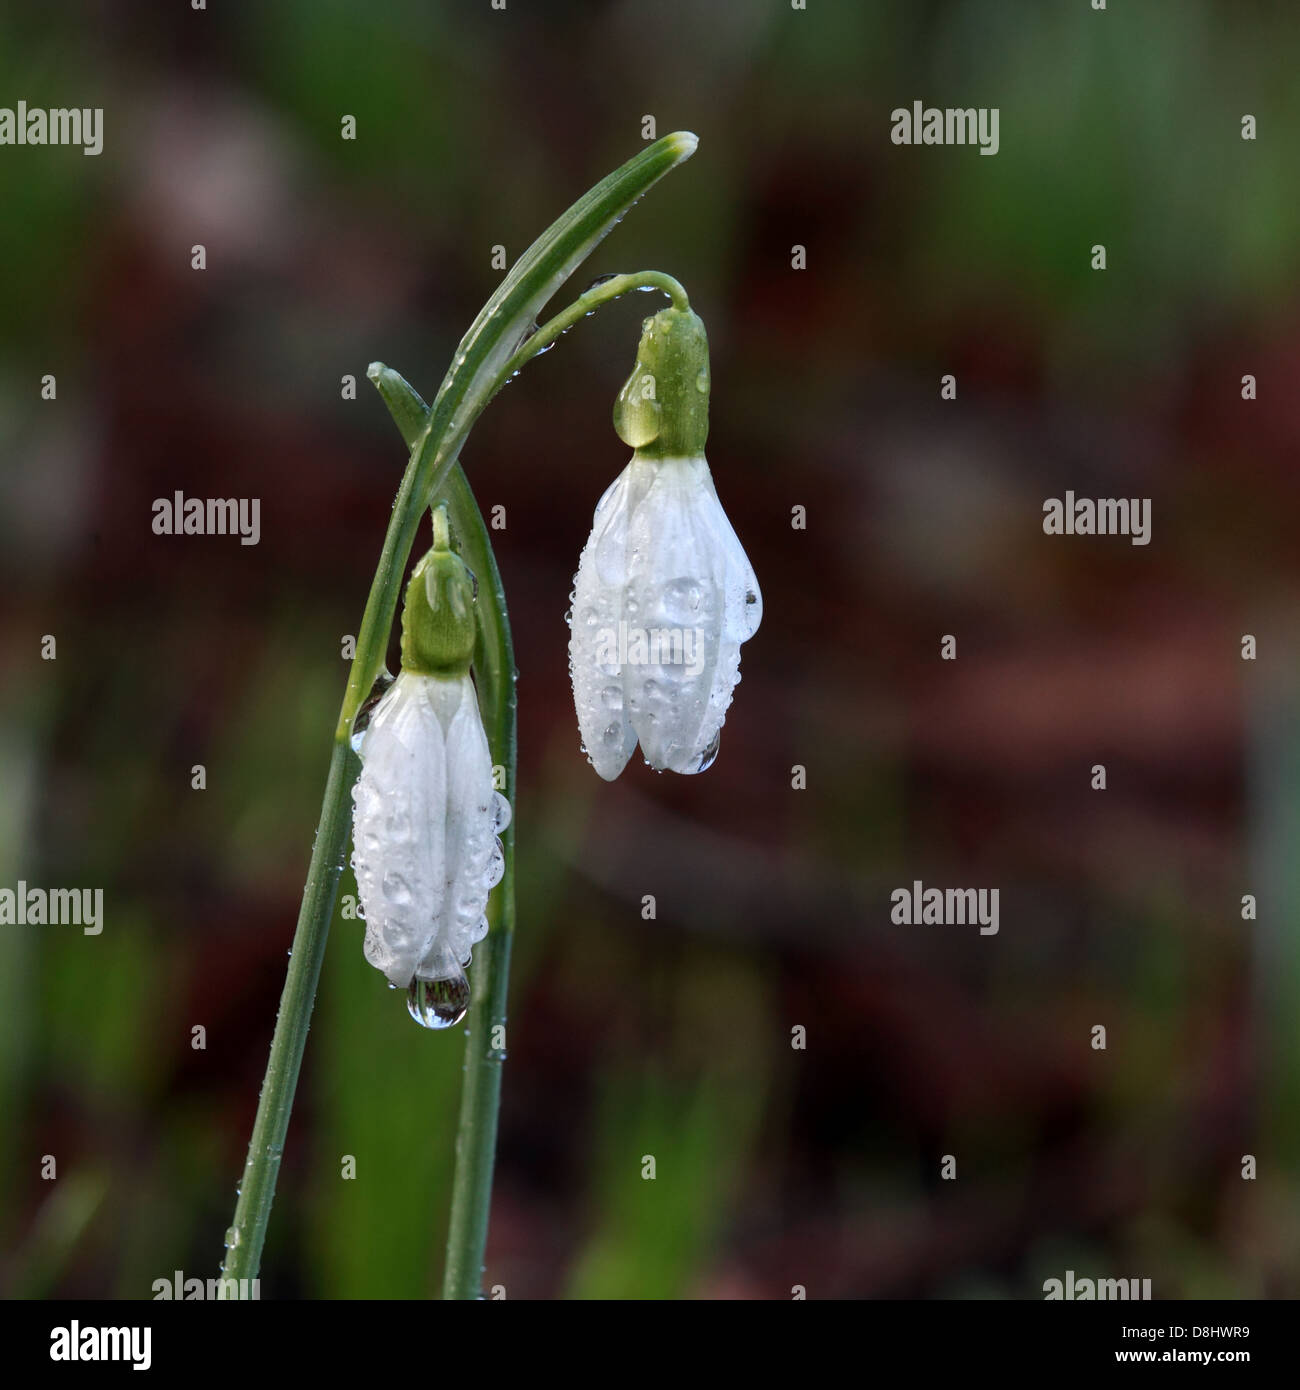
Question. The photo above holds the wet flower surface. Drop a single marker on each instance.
(425, 812)
(663, 598)
(425, 824)
(664, 594)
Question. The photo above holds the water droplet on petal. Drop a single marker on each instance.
(683, 600)
(438, 1003)
(710, 754)
(501, 813)
(496, 868)
(396, 890)
(363, 716)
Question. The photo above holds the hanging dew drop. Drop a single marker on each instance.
(438, 1004)
(710, 754)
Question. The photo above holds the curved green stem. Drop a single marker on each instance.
(481, 368)
(478, 371)
(609, 287)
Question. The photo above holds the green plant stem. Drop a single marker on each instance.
(601, 293)
(262, 1167)
(478, 371)
(485, 1029)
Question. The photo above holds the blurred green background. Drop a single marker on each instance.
(776, 1167)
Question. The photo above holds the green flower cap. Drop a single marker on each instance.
(438, 614)
(663, 409)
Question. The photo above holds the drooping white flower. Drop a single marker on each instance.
(664, 594)
(425, 813)
(426, 818)
(662, 600)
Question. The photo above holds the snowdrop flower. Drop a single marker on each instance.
(664, 595)
(425, 814)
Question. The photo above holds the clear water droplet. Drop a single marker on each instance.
(710, 754)
(232, 1237)
(683, 600)
(496, 869)
(702, 381)
(501, 813)
(438, 1003)
(396, 890)
(364, 714)
(601, 280)
(638, 418)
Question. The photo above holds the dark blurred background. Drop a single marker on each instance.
(775, 1166)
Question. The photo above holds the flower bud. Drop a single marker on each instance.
(438, 615)
(663, 408)
(664, 594)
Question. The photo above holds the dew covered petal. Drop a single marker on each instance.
(472, 845)
(688, 594)
(594, 619)
(399, 827)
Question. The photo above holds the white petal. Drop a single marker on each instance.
(424, 825)
(593, 624)
(742, 612)
(399, 826)
(688, 597)
(472, 814)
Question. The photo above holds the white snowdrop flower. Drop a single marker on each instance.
(425, 813)
(664, 594)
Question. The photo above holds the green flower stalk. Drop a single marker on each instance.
(501, 339)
